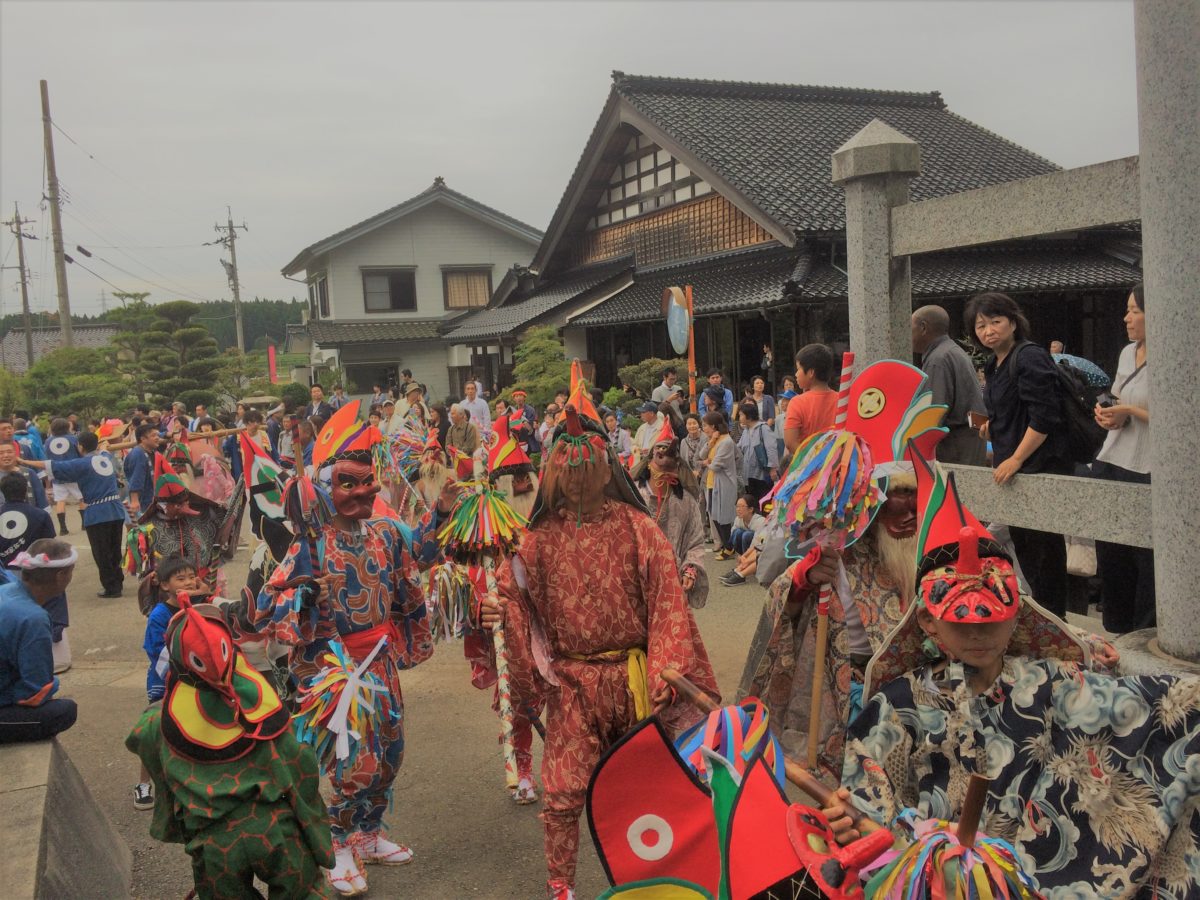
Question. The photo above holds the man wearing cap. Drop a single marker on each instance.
(28, 709)
(523, 421)
(104, 518)
(648, 431)
(414, 396)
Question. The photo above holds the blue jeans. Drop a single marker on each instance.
(741, 538)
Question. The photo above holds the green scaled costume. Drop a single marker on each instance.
(239, 792)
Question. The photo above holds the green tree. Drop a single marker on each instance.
(541, 365)
(180, 358)
(646, 375)
(75, 379)
(135, 321)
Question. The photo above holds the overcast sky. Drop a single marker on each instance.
(308, 117)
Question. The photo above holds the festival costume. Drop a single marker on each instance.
(596, 600)
(673, 499)
(104, 518)
(373, 594)
(199, 530)
(231, 782)
(1094, 779)
(889, 404)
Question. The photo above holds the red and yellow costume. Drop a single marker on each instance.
(594, 612)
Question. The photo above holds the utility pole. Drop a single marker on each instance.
(229, 239)
(15, 224)
(103, 302)
(60, 263)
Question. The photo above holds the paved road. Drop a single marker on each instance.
(450, 804)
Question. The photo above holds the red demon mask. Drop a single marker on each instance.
(353, 488)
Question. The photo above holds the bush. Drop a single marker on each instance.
(541, 365)
(645, 376)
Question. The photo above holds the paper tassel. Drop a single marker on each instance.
(937, 865)
(339, 708)
(829, 484)
(307, 506)
(449, 601)
(481, 524)
(736, 733)
(139, 546)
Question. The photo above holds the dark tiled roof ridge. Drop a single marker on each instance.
(753, 253)
(1003, 139)
(774, 90)
(438, 187)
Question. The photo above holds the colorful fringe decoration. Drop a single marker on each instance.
(339, 708)
(736, 733)
(829, 484)
(139, 549)
(937, 865)
(481, 524)
(307, 506)
(401, 452)
(450, 601)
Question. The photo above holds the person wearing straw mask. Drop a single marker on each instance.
(1093, 778)
(594, 610)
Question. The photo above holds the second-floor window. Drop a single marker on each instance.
(389, 290)
(467, 287)
(318, 297)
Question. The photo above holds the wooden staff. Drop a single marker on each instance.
(187, 436)
(826, 592)
(795, 773)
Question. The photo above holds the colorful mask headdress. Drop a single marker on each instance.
(963, 575)
(579, 397)
(506, 456)
(345, 437)
(581, 441)
(217, 707)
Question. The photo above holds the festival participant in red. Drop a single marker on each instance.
(358, 586)
(594, 610)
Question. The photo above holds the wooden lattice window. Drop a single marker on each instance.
(467, 287)
(647, 178)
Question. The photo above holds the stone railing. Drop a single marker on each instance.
(883, 229)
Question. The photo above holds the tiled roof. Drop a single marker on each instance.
(489, 323)
(746, 279)
(1008, 269)
(336, 333)
(773, 142)
(438, 190)
(12, 347)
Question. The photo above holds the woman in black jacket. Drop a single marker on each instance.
(1025, 426)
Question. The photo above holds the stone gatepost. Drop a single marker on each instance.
(874, 167)
(1167, 34)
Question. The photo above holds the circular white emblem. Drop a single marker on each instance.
(659, 832)
(12, 524)
(102, 465)
(59, 446)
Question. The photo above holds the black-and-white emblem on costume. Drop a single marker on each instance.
(59, 446)
(102, 465)
(13, 524)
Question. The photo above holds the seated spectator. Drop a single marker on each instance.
(28, 709)
(748, 524)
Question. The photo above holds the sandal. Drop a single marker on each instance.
(347, 877)
(374, 849)
(524, 793)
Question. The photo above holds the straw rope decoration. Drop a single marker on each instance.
(481, 527)
(449, 601)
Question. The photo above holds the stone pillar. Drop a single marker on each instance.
(1168, 60)
(874, 167)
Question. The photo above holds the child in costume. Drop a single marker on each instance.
(354, 581)
(232, 783)
(594, 611)
(173, 576)
(1095, 780)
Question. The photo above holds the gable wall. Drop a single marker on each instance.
(428, 239)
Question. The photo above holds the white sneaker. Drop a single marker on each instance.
(61, 651)
(346, 877)
(373, 848)
(524, 793)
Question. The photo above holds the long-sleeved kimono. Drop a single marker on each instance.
(1095, 780)
(581, 593)
(374, 589)
(677, 513)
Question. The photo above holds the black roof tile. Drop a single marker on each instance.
(330, 333)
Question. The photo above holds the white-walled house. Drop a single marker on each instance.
(382, 293)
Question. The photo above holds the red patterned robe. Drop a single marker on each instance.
(605, 583)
